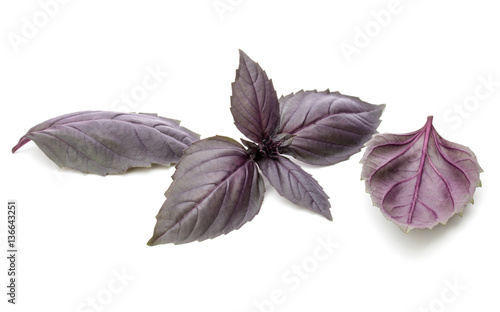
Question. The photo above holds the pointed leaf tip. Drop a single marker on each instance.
(254, 103)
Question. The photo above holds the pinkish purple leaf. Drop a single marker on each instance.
(328, 127)
(103, 142)
(216, 189)
(295, 184)
(419, 179)
(254, 103)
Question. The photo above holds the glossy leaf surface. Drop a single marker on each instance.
(216, 189)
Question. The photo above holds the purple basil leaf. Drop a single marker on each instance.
(328, 127)
(295, 184)
(103, 142)
(419, 179)
(216, 189)
(254, 103)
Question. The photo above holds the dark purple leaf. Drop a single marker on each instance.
(327, 127)
(295, 184)
(254, 103)
(419, 179)
(109, 142)
(216, 189)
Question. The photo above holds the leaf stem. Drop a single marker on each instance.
(21, 142)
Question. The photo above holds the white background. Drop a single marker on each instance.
(78, 231)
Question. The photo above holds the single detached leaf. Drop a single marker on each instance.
(104, 142)
(254, 103)
(419, 179)
(295, 184)
(328, 127)
(216, 188)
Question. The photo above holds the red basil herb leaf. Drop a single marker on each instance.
(295, 184)
(216, 189)
(328, 127)
(254, 103)
(104, 142)
(419, 179)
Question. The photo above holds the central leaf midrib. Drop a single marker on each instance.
(427, 131)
